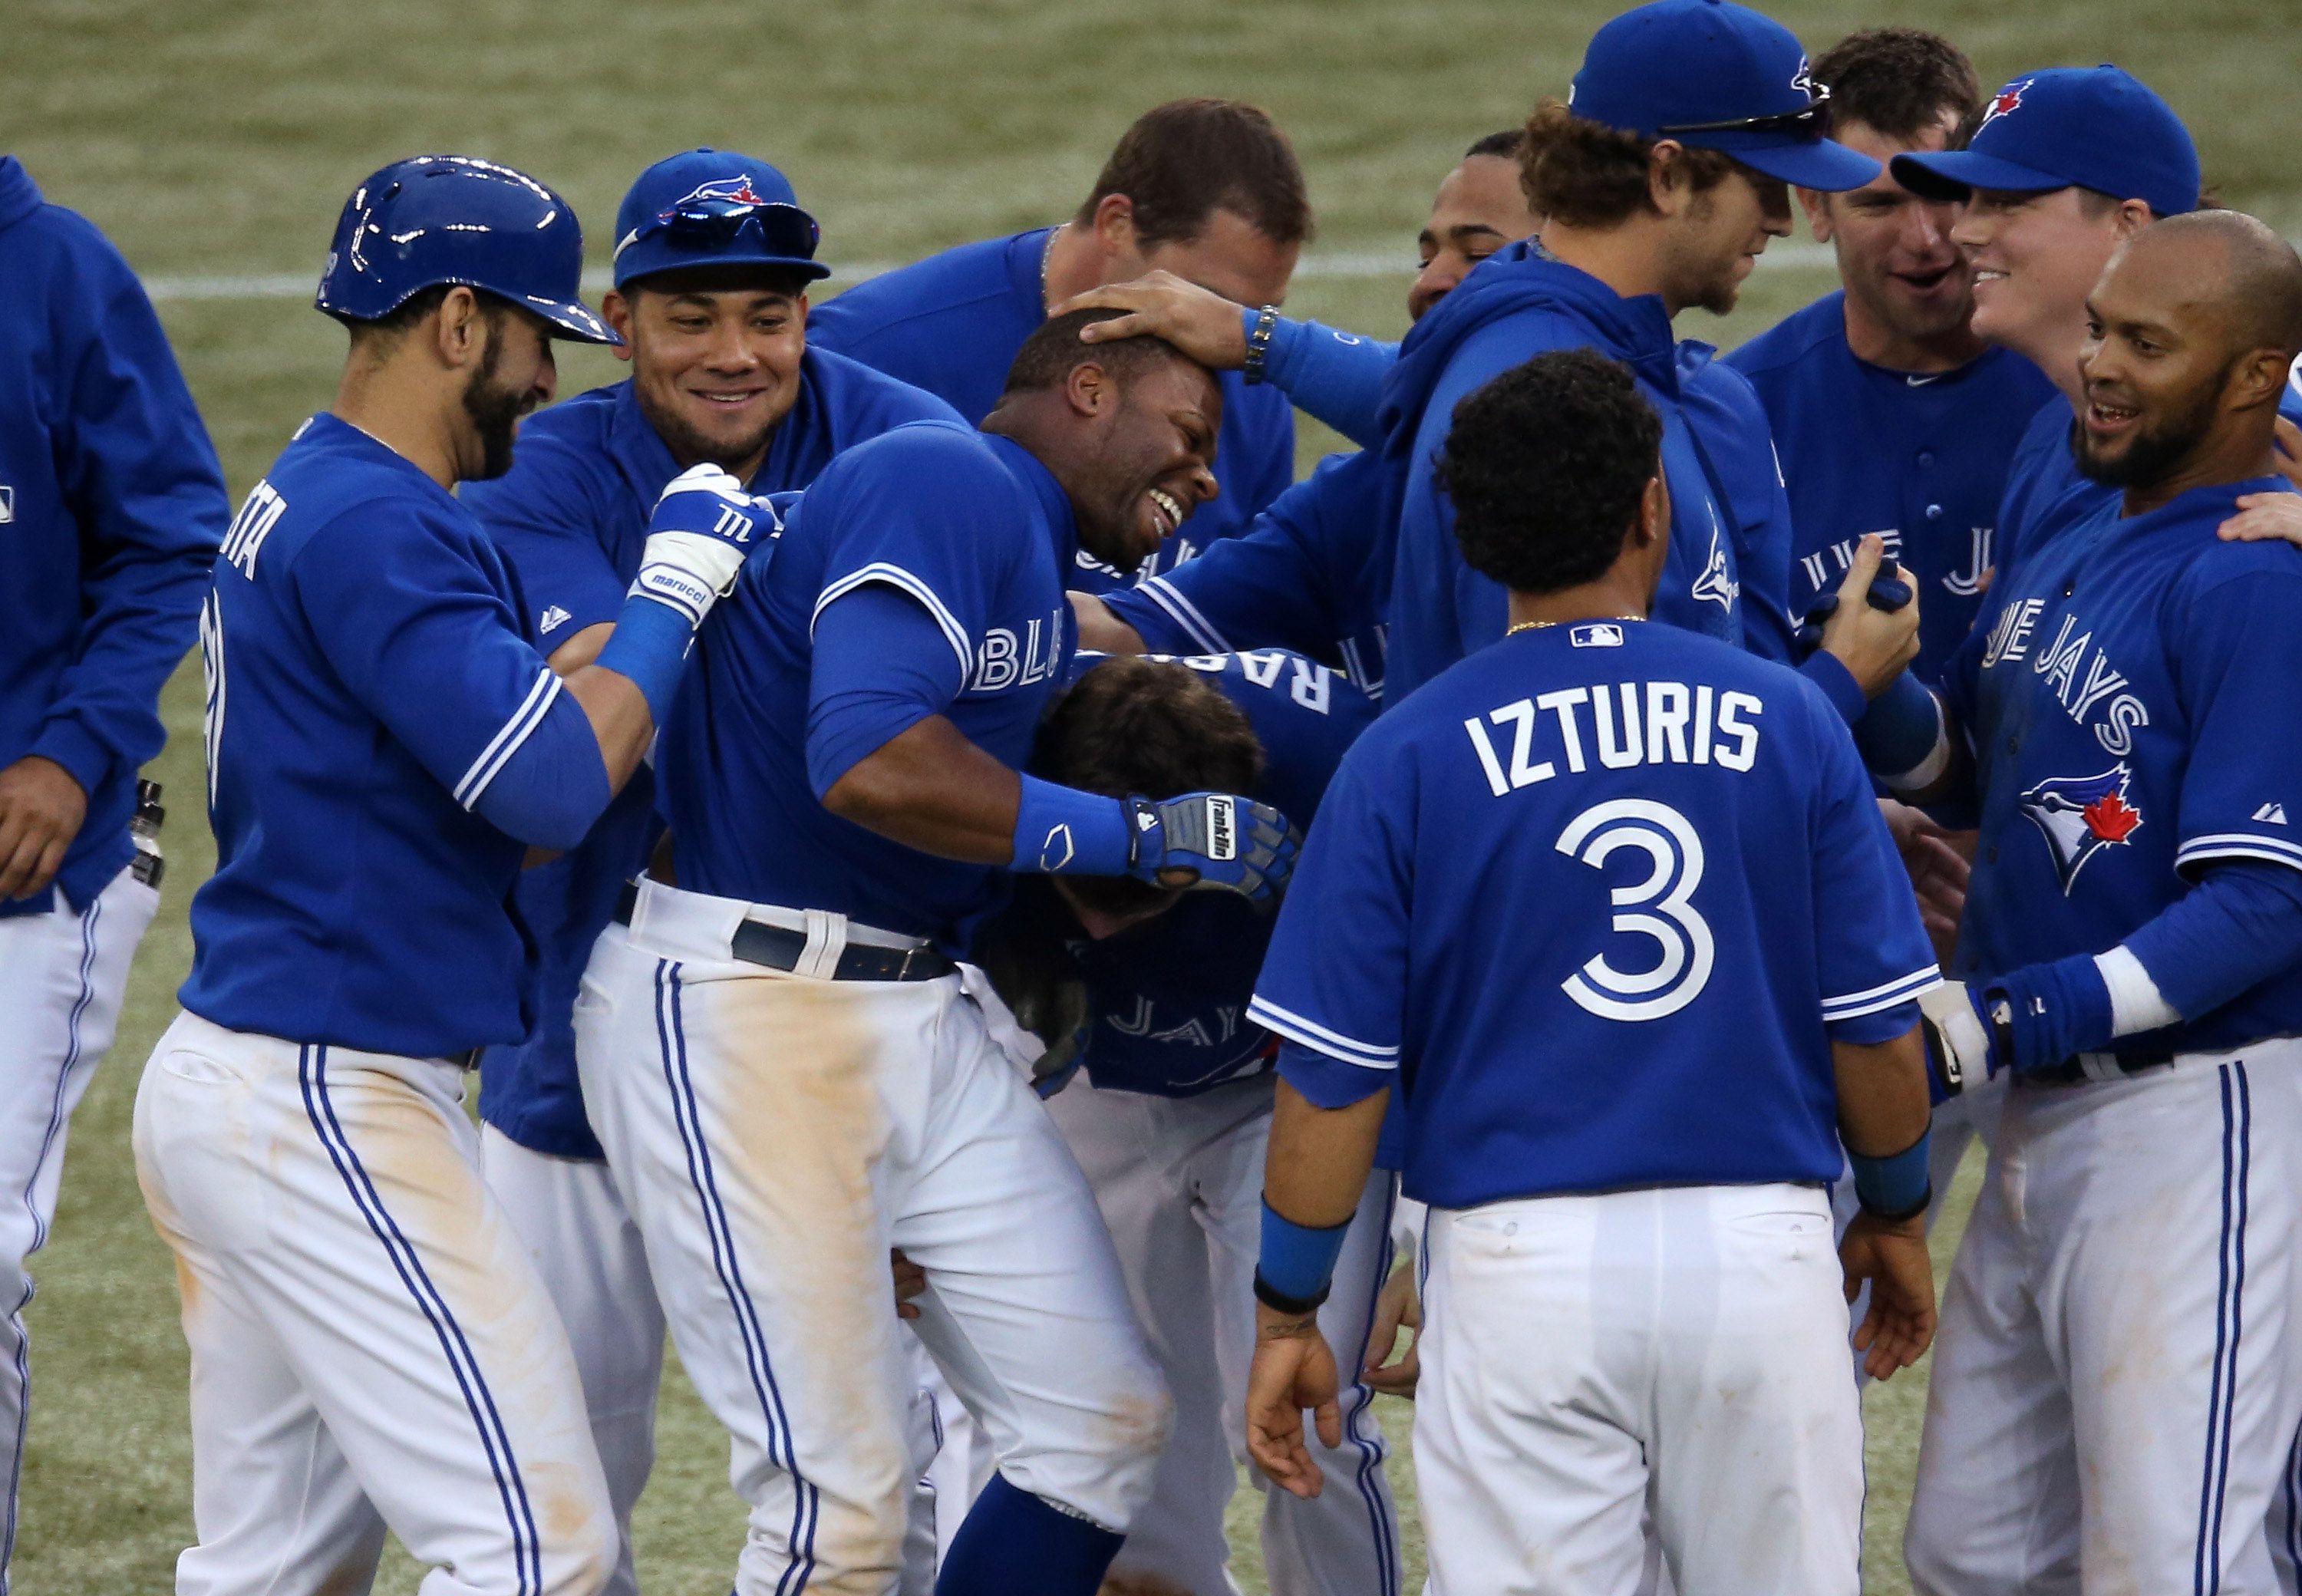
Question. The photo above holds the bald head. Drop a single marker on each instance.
(2190, 333)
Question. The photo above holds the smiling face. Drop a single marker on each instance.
(1719, 236)
(1150, 463)
(1895, 255)
(715, 360)
(515, 374)
(1480, 208)
(2156, 363)
(2034, 257)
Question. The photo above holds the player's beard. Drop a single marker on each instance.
(2155, 450)
(494, 414)
(693, 446)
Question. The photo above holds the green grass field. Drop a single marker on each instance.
(217, 137)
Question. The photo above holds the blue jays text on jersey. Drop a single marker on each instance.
(571, 515)
(1612, 888)
(1516, 304)
(111, 507)
(976, 534)
(1167, 997)
(1921, 458)
(368, 680)
(2126, 700)
(951, 323)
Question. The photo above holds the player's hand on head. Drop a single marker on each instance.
(1293, 1370)
(703, 528)
(1391, 1368)
(1198, 321)
(2262, 516)
(41, 811)
(1890, 1255)
(1213, 842)
(1871, 624)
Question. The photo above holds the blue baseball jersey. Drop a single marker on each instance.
(973, 529)
(1607, 891)
(1516, 304)
(2129, 700)
(571, 515)
(1312, 575)
(1921, 458)
(369, 676)
(111, 508)
(1168, 997)
(953, 323)
(1737, 446)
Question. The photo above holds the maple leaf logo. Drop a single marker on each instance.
(2111, 817)
(2009, 98)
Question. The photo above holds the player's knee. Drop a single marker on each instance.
(1117, 1458)
(583, 1554)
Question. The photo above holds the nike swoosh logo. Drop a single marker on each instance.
(1917, 381)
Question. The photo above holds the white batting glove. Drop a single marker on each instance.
(703, 528)
(1958, 1050)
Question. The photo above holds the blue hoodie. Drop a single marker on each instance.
(112, 506)
(1516, 304)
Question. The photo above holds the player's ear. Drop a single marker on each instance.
(2256, 378)
(616, 311)
(2131, 217)
(1666, 182)
(459, 330)
(1816, 204)
(1654, 508)
(1088, 389)
(1114, 225)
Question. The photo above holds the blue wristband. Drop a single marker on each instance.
(1894, 1187)
(1296, 1261)
(1829, 673)
(1061, 831)
(1901, 727)
(650, 649)
(2054, 1010)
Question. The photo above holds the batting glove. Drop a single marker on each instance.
(1962, 1041)
(1890, 590)
(703, 528)
(1233, 844)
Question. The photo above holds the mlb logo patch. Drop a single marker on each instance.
(7, 504)
(1596, 635)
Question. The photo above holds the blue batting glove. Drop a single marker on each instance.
(1228, 844)
(1890, 590)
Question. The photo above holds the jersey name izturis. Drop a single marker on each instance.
(953, 323)
(1598, 898)
(2130, 699)
(1921, 458)
(368, 675)
(968, 526)
(571, 515)
(1168, 997)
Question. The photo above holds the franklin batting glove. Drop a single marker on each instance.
(1229, 843)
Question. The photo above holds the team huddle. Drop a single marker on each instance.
(1055, 960)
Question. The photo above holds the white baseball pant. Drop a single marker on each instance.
(774, 1134)
(1675, 1358)
(1180, 1181)
(586, 1250)
(2119, 1374)
(62, 975)
(370, 1343)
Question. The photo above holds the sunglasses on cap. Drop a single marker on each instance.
(1810, 121)
(712, 225)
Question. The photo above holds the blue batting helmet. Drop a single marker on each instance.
(435, 218)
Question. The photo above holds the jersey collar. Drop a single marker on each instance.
(20, 196)
(1055, 504)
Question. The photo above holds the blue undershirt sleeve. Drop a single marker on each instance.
(2240, 926)
(554, 785)
(1336, 376)
(882, 665)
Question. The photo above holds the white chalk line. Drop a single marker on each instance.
(1336, 266)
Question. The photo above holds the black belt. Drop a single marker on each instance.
(2073, 1068)
(778, 948)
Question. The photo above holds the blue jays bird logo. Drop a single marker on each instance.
(2009, 98)
(726, 191)
(2080, 816)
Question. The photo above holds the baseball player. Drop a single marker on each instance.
(713, 260)
(1168, 1102)
(789, 1071)
(1629, 932)
(1208, 189)
(371, 1345)
(111, 507)
(2119, 1377)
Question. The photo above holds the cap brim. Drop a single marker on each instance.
(1809, 162)
(574, 318)
(640, 261)
(1953, 175)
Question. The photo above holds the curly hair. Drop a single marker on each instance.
(1587, 174)
(1547, 465)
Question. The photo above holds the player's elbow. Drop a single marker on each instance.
(872, 791)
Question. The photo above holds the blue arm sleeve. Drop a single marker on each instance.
(1337, 377)
(554, 785)
(882, 665)
(141, 476)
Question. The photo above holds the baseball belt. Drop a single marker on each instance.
(775, 947)
(2097, 1066)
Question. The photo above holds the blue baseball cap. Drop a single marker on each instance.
(1714, 75)
(712, 207)
(2067, 127)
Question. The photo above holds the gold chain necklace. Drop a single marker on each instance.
(1537, 626)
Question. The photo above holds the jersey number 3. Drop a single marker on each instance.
(1660, 907)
